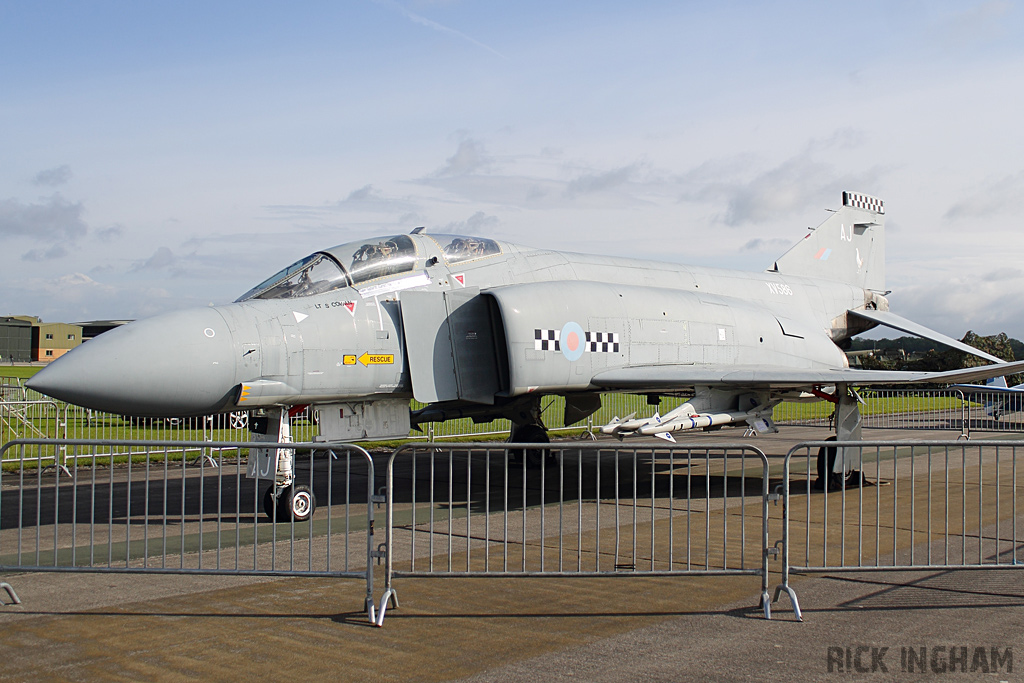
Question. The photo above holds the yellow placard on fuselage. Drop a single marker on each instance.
(377, 359)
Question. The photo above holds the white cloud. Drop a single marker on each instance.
(162, 259)
(468, 158)
(477, 224)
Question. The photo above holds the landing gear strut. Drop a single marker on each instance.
(529, 434)
(285, 500)
(839, 466)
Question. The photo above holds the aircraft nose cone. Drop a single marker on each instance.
(176, 364)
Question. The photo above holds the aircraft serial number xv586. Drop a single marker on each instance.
(481, 328)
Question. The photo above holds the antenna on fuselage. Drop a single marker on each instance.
(416, 231)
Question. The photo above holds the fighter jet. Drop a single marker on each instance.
(476, 327)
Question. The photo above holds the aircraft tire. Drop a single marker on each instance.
(296, 503)
(529, 434)
(827, 479)
(269, 503)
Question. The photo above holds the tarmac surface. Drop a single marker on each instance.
(856, 626)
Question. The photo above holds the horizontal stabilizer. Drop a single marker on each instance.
(910, 327)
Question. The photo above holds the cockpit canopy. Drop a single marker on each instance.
(356, 263)
(324, 271)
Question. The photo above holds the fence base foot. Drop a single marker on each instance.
(57, 469)
(205, 458)
(390, 597)
(792, 598)
(766, 605)
(10, 592)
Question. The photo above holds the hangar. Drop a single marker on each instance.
(15, 340)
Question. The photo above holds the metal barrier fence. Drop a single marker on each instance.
(36, 419)
(931, 409)
(916, 505)
(137, 507)
(579, 509)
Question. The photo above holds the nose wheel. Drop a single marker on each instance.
(293, 503)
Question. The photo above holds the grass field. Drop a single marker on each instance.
(49, 419)
(19, 371)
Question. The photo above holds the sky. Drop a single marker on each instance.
(156, 156)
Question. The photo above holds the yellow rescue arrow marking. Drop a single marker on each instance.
(377, 358)
(349, 359)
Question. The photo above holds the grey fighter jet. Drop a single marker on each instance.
(476, 327)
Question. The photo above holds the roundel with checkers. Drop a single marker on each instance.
(573, 341)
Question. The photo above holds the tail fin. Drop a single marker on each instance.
(848, 247)
(999, 382)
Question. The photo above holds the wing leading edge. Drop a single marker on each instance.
(677, 377)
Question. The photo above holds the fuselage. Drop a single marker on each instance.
(339, 326)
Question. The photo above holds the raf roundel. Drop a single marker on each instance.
(571, 341)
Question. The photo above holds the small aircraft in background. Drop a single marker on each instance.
(480, 328)
(999, 399)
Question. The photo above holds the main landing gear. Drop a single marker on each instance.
(532, 433)
(839, 467)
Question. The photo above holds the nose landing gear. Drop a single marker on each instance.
(292, 503)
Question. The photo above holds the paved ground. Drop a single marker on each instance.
(127, 627)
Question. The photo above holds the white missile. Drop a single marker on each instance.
(694, 421)
(616, 425)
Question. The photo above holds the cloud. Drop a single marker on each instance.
(784, 188)
(774, 245)
(477, 224)
(162, 258)
(367, 192)
(468, 158)
(110, 234)
(1002, 274)
(599, 182)
(963, 301)
(996, 197)
(367, 199)
(793, 185)
(54, 252)
(54, 219)
(53, 177)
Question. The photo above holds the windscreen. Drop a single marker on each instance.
(315, 274)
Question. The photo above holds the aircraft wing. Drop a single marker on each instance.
(986, 389)
(910, 327)
(674, 377)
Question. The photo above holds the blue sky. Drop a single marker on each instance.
(157, 156)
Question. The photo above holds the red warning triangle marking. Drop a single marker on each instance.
(461, 279)
(351, 306)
